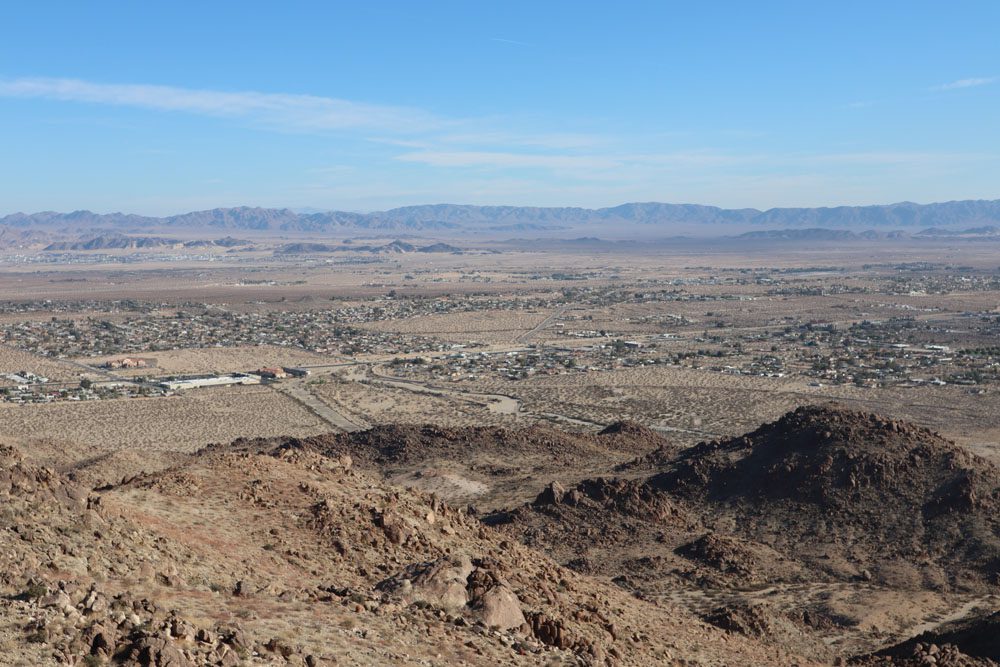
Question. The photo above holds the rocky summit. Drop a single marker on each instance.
(855, 494)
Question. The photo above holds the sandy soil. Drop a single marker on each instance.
(378, 403)
(14, 361)
(176, 423)
(490, 326)
(217, 359)
(701, 404)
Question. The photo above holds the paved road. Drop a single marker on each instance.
(495, 402)
(300, 393)
(557, 313)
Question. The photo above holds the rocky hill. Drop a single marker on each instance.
(393, 247)
(969, 642)
(834, 515)
(399, 442)
(23, 239)
(488, 467)
(258, 554)
(111, 242)
(115, 241)
(855, 495)
(826, 534)
(823, 494)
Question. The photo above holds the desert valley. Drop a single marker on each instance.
(479, 334)
(287, 449)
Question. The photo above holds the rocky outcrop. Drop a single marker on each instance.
(126, 631)
(971, 642)
(441, 583)
(457, 586)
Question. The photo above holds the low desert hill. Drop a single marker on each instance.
(822, 493)
(488, 467)
(392, 248)
(246, 554)
(969, 642)
(827, 535)
(853, 495)
(114, 241)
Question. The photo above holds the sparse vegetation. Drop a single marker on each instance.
(698, 353)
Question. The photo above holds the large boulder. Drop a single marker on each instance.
(499, 608)
(553, 494)
(440, 583)
(156, 651)
(492, 599)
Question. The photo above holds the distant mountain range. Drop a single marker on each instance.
(502, 219)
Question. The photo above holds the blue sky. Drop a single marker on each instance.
(160, 108)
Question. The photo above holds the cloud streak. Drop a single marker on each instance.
(967, 83)
(503, 40)
(626, 164)
(498, 159)
(576, 162)
(415, 143)
(390, 125)
(280, 110)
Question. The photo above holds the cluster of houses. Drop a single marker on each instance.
(48, 306)
(52, 392)
(23, 378)
(322, 331)
(128, 363)
(527, 362)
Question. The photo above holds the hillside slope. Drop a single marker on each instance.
(282, 555)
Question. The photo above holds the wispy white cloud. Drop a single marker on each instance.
(614, 166)
(389, 125)
(570, 160)
(280, 110)
(414, 143)
(967, 83)
(509, 41)
(598, 162)
(887, 158)
(553, 140)
(696, 158)
(507, 160)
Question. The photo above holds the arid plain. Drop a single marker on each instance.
(118, 369)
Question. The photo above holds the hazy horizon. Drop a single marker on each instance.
(368, 108)
(309, 210)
